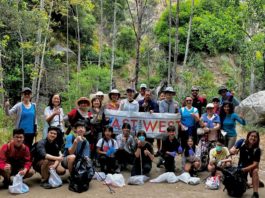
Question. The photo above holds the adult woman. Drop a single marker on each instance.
(25, 112)
(189, 117)
(97, 121)
(54, 115)
(228, 123)
(249, 158)
(129, 104)
(114, 102)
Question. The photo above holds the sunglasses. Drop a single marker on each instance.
(188, 100)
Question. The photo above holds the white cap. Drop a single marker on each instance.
(210, 105)
(143, 85)
(170, 89)
(99, 93)
(115, 91)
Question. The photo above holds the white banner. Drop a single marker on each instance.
(155, 124)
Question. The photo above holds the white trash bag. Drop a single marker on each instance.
(116, 180)
(168, 177)
(18, 187)
(54, 179)
(194, 180)
(100, 176)
(213, 183)
(184, 177)
(137, 179)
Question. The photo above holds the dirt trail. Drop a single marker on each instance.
(148, 190)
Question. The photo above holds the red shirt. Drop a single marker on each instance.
(9, 154)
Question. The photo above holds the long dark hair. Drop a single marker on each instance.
(187, 148)
(50, 100)
(256, 145)
(222, 111)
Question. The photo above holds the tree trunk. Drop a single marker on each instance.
(263, 85)
(113, 45)
(43, 54)
(137, 63)
(189, 32)
(252, 77)
(169, 44)
(22, 59)
(176, 50)
(2, 96)
(37, 56)
(67, 45)
(100, 33)
(78, 40)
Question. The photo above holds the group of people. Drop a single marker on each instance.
(202, 125)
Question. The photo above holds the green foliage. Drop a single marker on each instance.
(84, 83)
(5, 127)
(126, 39)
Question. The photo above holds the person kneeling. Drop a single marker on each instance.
(15, 158)
(191, 159)
(47, 157)
(73, 146)
(126, 147)
(106, 148)
(218, 157)
(144, 156)
(170, 148)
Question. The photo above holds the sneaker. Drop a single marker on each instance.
(45, 185)
(255, 195)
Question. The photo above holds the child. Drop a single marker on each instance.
(191, 158)
(170, 148)
(144, 156)
(126, 147)
(106, 148)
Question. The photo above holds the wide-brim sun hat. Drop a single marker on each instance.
(170, 90)
(99, 93)
(222, 88)
(83, 99)
(114, 91)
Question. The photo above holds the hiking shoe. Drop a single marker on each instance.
(255, 195)
(45, 185)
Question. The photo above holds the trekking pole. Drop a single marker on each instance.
(104, 180)
(141, 163)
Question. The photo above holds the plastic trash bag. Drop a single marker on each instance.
(184, 177)
(116, 180)
(100, 176)
(18, 187)
(213, 183)
(194, 180)
(54, 179)
(168, 177)
(111, 151)
(137, 179)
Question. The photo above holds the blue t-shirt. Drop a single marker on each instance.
(186, 117)
(210, 122)
(229, 124)
(69, 142)
(27, 119)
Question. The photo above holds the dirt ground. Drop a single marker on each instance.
(98, 189)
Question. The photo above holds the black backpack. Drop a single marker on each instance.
(82, 172)
(234, 181)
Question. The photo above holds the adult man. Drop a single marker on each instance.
(147, 104)
(198, 101)
(227, 96)
(140, 96)
(73, 146)
(169, 105)
(47, 156)
(15, 158)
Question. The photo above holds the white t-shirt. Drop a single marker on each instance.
(107, 144)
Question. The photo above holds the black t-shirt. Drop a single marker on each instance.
(146, 159)
(167, 145)
(248, 156)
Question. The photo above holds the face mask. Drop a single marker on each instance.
(141, 138)
(218, 148)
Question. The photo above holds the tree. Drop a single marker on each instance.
(169, 44)
(113, 45)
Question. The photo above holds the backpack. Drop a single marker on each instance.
(234, 181)
(82, 172)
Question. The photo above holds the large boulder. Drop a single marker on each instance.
(253, 108)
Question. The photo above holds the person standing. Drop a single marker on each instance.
(25, 113)
(227, 96)
(129, 104)
(198, 101)
(168, 105)
(114, 97)
(140, 96)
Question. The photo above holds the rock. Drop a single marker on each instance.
(253, 108)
